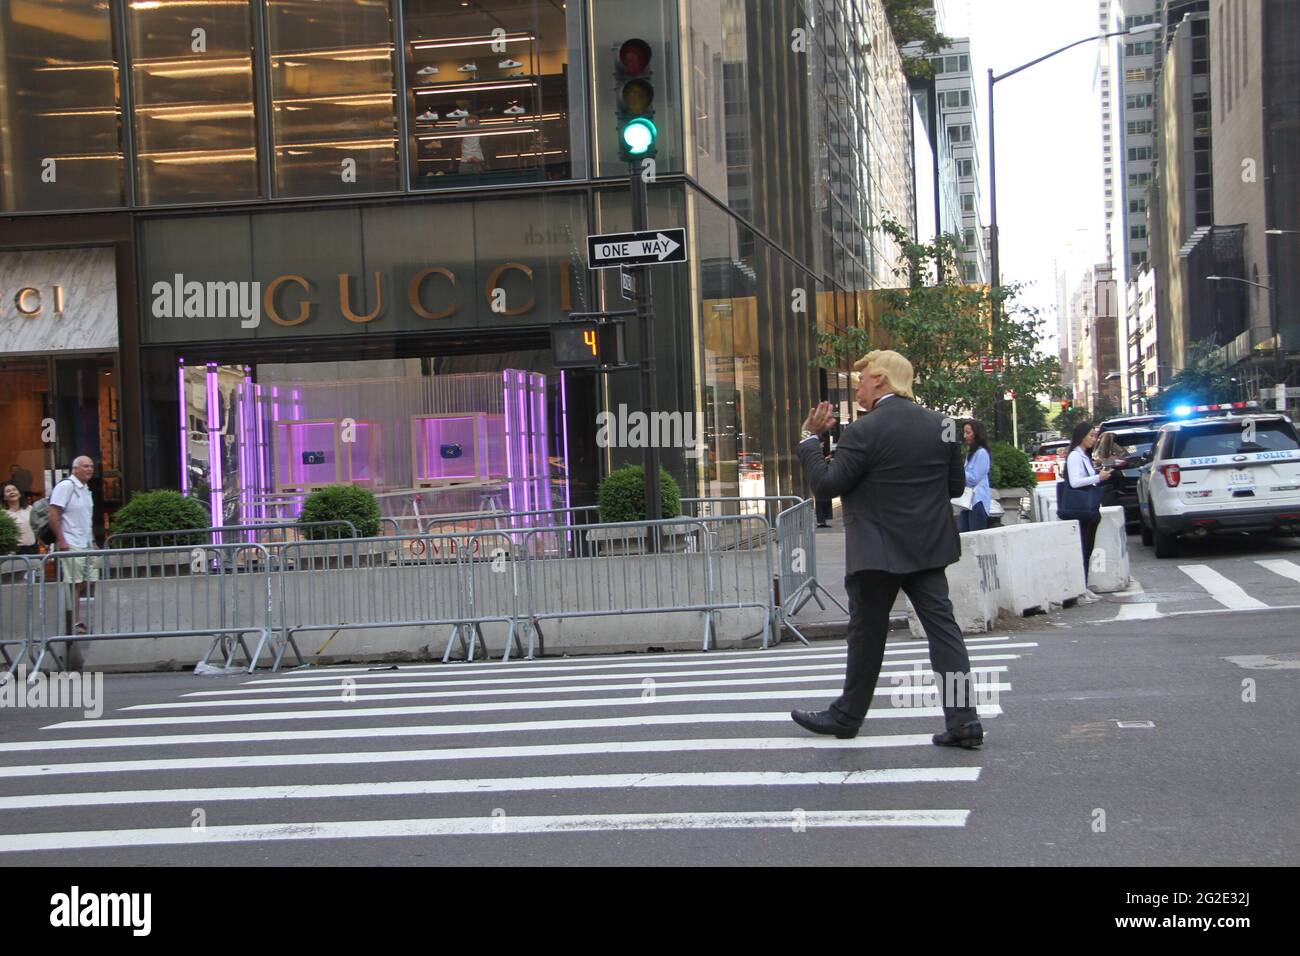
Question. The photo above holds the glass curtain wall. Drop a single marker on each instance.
(333, 107)
(59, 106)
(488, 91)
(192, 84)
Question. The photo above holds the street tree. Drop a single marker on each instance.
(1204, 380)
(966, 353)
(912, 21)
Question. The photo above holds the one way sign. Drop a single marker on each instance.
(651, 248)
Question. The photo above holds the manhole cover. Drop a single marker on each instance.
(1135, 724)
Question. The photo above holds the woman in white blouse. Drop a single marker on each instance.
(1080, 474)
(22, 516)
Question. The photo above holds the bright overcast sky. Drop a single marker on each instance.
(1049, 136)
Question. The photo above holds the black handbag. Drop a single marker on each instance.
(1077, 504)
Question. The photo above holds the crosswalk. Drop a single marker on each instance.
(1194, 588)
(666, 743)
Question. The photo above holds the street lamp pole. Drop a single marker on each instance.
(995, 265)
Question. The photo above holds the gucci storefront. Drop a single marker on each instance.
(59, 370)
(403, 348)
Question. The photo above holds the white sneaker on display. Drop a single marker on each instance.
(457, 114)
(427, 71)
(468, 68)
(508, 64)
(428, 115)
(515, 110)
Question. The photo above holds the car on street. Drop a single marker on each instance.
(1124, 451)
(1049, 459)
(1220, 475)
(1123, 422)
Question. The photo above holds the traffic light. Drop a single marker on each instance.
(636, 95)
(1065, 404)
(588, 344)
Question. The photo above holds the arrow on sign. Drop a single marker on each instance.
(637, 248)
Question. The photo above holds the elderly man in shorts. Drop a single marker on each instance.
(72, 510)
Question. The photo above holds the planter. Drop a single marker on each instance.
(1010, 498)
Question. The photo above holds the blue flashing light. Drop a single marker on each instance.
(1182, 411)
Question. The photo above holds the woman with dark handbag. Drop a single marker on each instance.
(1078, 496)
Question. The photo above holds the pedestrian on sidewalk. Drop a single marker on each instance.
(896, 473)
(1078, 497)
(71, 517)
(975, 512)
(825, 506)
(20, 511)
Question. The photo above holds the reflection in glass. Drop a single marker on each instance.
(59, 110)
(192, 79)
(333, 106)
(487, 92)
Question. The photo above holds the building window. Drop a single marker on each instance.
(1137, 205)
(480, 116)
(965, 168)
(1138, 101)
(58, 102)
(959, 134)
(1139, 49)
(1137, 180)
(1139, 153)
(968, 239)
(955, 99)
(1137, 232)
(1137, 259)
(195, 129)
(967, 202)
(1139, 75)
(333, 107)
(1140, 127)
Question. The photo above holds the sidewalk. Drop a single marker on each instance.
(831, 622)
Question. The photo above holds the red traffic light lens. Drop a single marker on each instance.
(634, 57)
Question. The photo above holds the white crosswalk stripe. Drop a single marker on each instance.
(662, 743)
(1223, 589)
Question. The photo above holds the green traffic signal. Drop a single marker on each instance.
(639, 136)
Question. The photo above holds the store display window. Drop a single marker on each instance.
(488, 92)
(257, 439)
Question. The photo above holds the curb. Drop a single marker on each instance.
(835, 630)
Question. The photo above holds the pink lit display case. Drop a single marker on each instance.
(450, 450)
(312, 454)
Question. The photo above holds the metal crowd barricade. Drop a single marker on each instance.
(796, 557)
(600, 570)
(269, 532)
(21, 594)
(741, 557)
(222, 590)
(579, 515)
(393, 581)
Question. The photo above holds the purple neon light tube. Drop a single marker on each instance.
(214, 451)
(185, 429)
(564, 432)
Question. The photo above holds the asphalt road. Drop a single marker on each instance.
(1154, 727)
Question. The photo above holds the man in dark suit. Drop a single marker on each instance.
(895, 471)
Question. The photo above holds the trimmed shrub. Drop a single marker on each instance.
(1009, 467)
(621, 496)
(8, 534)
(341, 503)
(161, 510)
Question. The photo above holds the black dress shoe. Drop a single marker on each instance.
(969, 736)
(824, 722)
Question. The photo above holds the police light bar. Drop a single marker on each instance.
(1182, 411)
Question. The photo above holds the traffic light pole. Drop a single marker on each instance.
(649, 385)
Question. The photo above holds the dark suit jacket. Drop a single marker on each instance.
(896, 476)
